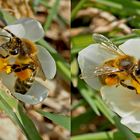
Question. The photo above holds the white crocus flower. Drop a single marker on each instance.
(123, 101)
(32, 30)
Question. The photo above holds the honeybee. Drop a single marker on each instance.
(120, 69)
(19, 56)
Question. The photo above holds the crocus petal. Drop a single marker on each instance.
(8, 80)
(120, 99)
(132, 47)
(27, 28)
(16, 29)
(90, 58)
(132, 121)
(36, 94)
(47, 62)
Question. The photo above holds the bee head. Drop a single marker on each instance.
(125, 62)
(16, 40)
(15, 45)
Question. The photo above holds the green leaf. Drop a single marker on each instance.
(6, 17)
(9, 110)
(15, 111)
(86, 95)
(112, 135)
(126, 132)
(62, 120)
(52, 14)
(121, 39)
(28, 125)
(77, 8)
(80, 120)
(43, 2)
(79, 103)
(104, 109)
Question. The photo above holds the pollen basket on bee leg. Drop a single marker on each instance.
(24, 75)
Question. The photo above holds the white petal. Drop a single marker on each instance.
(17, 29)
(36, 94)
(8, 80)
(132, 121)
(47, 62)
(132, 47)
(120, 99)
(27, 28)
(88, 59)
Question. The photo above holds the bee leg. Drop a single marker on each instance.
(29, 66)
(127, 86)
(18, 68)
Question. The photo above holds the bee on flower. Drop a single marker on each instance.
(25, 65)
(115, 71)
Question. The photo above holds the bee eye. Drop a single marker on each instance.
(14, 52)
(137, 72)
(125, 63)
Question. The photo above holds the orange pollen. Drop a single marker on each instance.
(111, 81)
(24, 75)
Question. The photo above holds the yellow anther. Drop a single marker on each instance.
(8, 69)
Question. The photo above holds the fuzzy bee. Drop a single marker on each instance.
(120, 69)
(21, 57)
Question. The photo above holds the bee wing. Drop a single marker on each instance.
(105, 70)
(89, 59)
(107, 44)
(98, 71)
(4, 36)
(36, 94)
(90, 75)
(47, 62)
